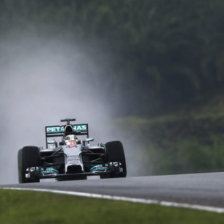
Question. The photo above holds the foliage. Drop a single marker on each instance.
(161, 57)
(164, 55)
(187, 142)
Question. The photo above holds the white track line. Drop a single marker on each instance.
(128, 199)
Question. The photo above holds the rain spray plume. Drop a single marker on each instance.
(39, 85)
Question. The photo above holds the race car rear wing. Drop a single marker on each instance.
(59, 130)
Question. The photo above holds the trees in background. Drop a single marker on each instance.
(163, 54)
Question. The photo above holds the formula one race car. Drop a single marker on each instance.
(70, 158)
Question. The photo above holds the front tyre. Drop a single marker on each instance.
(115, 153)
(28, 156)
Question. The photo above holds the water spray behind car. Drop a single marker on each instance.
(42, 81)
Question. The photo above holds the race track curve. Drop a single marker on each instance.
(201, 189)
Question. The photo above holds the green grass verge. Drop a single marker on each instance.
(187, 142)
(37, 207)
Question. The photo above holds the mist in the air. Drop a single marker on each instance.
(41, 82)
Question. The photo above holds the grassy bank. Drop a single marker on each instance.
(35, 207)
(191, 140)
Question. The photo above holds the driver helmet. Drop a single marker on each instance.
(70, 140)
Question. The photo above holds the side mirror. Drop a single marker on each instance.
(52, 142)
(88, 140)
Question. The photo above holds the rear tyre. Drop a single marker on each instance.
(115, 153)
(28, 156)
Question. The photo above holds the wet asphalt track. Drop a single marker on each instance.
(201, 189)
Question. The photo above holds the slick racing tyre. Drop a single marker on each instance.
(28, 156)
(115, 153)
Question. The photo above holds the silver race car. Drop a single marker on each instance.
(70, 158)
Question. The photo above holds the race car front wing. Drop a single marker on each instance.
(111, 169)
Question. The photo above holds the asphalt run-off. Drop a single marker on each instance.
(203, 191)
